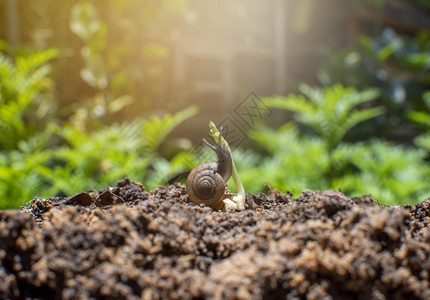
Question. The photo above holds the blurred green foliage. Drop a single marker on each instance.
(122, 68)
(61, 159)
(397, 65)
(92, 160)
(322, 154)
(331, 112)
(422, 118)
(114, 62)
(323, 159)
(54, 145)
(23, 131)
(24, 82)
(75, 141)
(44, 158)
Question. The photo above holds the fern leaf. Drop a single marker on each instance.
(32, 61)
(331, 111)
(6, 68)
(156, 129)
(292, 103)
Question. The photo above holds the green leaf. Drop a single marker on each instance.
(30, 62)
(420, 117)
(84, 20)
(385, 53)
(331, 111)
(420, 61)
(119, 103)
(156, 128)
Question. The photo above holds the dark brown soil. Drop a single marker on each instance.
(124, 242)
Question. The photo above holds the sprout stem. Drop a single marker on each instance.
(239, 199)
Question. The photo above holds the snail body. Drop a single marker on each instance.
(206, 183)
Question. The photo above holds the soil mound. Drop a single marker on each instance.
(125, 242)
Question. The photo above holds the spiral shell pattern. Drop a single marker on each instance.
(205, 185)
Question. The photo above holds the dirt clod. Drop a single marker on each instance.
(83, 199)
(108, 198)
(125, 242)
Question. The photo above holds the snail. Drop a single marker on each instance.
(207, 182)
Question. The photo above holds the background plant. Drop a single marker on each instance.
(92, 160)
(322, 158)
(40, 155)
(25, 94)
(330, 112)
(127, 72)
(87, 160)
(62, 138)
(397, 65)
(422, 117)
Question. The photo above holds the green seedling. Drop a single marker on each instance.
(239, 199)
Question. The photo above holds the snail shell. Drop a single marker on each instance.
(207, 182)
(205, 185)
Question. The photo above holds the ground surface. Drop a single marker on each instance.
(125, 242)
